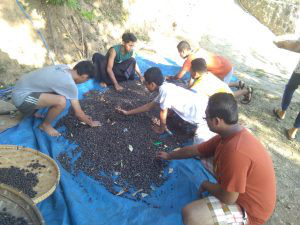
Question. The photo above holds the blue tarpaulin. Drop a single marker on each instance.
(80, 200)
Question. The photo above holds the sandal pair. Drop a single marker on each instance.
(248, 97)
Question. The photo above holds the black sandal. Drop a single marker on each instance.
(248, 97)
(241, 85)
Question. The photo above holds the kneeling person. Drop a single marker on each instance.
(50, 87)
(188, 105)
(118, 65)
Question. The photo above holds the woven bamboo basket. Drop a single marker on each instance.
(21, 157)
(19, 205)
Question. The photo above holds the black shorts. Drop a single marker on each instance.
(29, 106)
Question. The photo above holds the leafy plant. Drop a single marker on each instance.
(74, 4)
(89, 15)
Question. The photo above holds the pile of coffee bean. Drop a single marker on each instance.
(8, 219)
(121, 152)
(21, 179)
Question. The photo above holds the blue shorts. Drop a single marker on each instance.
(228, 77)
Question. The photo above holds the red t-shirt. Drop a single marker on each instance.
(241, 164)
(216, 64)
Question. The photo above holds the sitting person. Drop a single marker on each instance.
(245, 192)
(50, 87)
(188, 105)
(216, 64)
(118, 65)
(208, 84)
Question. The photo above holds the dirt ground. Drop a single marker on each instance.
(229, 31)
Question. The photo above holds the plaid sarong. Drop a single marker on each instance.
(223, 214)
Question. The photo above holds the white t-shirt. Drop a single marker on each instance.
(187, 104)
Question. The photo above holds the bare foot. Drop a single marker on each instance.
(103, 84)
(49, 130)
(38, 115)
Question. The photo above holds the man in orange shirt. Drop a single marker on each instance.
(216, 64)
(245, 192)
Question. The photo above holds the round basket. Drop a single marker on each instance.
(19, 205)
(22, 157)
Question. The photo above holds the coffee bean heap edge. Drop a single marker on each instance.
(121, 152)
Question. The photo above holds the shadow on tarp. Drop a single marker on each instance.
(80, 200)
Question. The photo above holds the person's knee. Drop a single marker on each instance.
(132, 60)
(61, 102)
(187, 215)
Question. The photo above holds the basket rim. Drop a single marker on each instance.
(24, 198)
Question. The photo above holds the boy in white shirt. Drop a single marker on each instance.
(188, 105)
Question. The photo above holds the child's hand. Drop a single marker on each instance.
(169, 77)
(142, 79)
(95, 123)
(158, 129)
(118, 87)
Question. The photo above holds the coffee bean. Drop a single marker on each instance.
(103, 150)
(20, 179)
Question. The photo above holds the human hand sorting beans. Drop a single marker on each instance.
(121, 111)
(163, 155)
(94, 123)
(158, 129)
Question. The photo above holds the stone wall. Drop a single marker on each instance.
(280, 16)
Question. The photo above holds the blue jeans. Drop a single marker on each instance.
(290, 88)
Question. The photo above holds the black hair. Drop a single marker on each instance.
(183, 45)
(85, 67)
(128, 37)
(199, 65)
(154, 74)
(223, 106)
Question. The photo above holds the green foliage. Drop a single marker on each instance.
(74, 4)
(89, 15)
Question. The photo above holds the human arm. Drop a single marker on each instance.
(288, 42)
(179, 75)
(220, 193)
(163, 122)
(111, 59)
(182, 153)
(191, 81)
(141, 109)
(205, 149)
(137, 70)
(81, 115)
